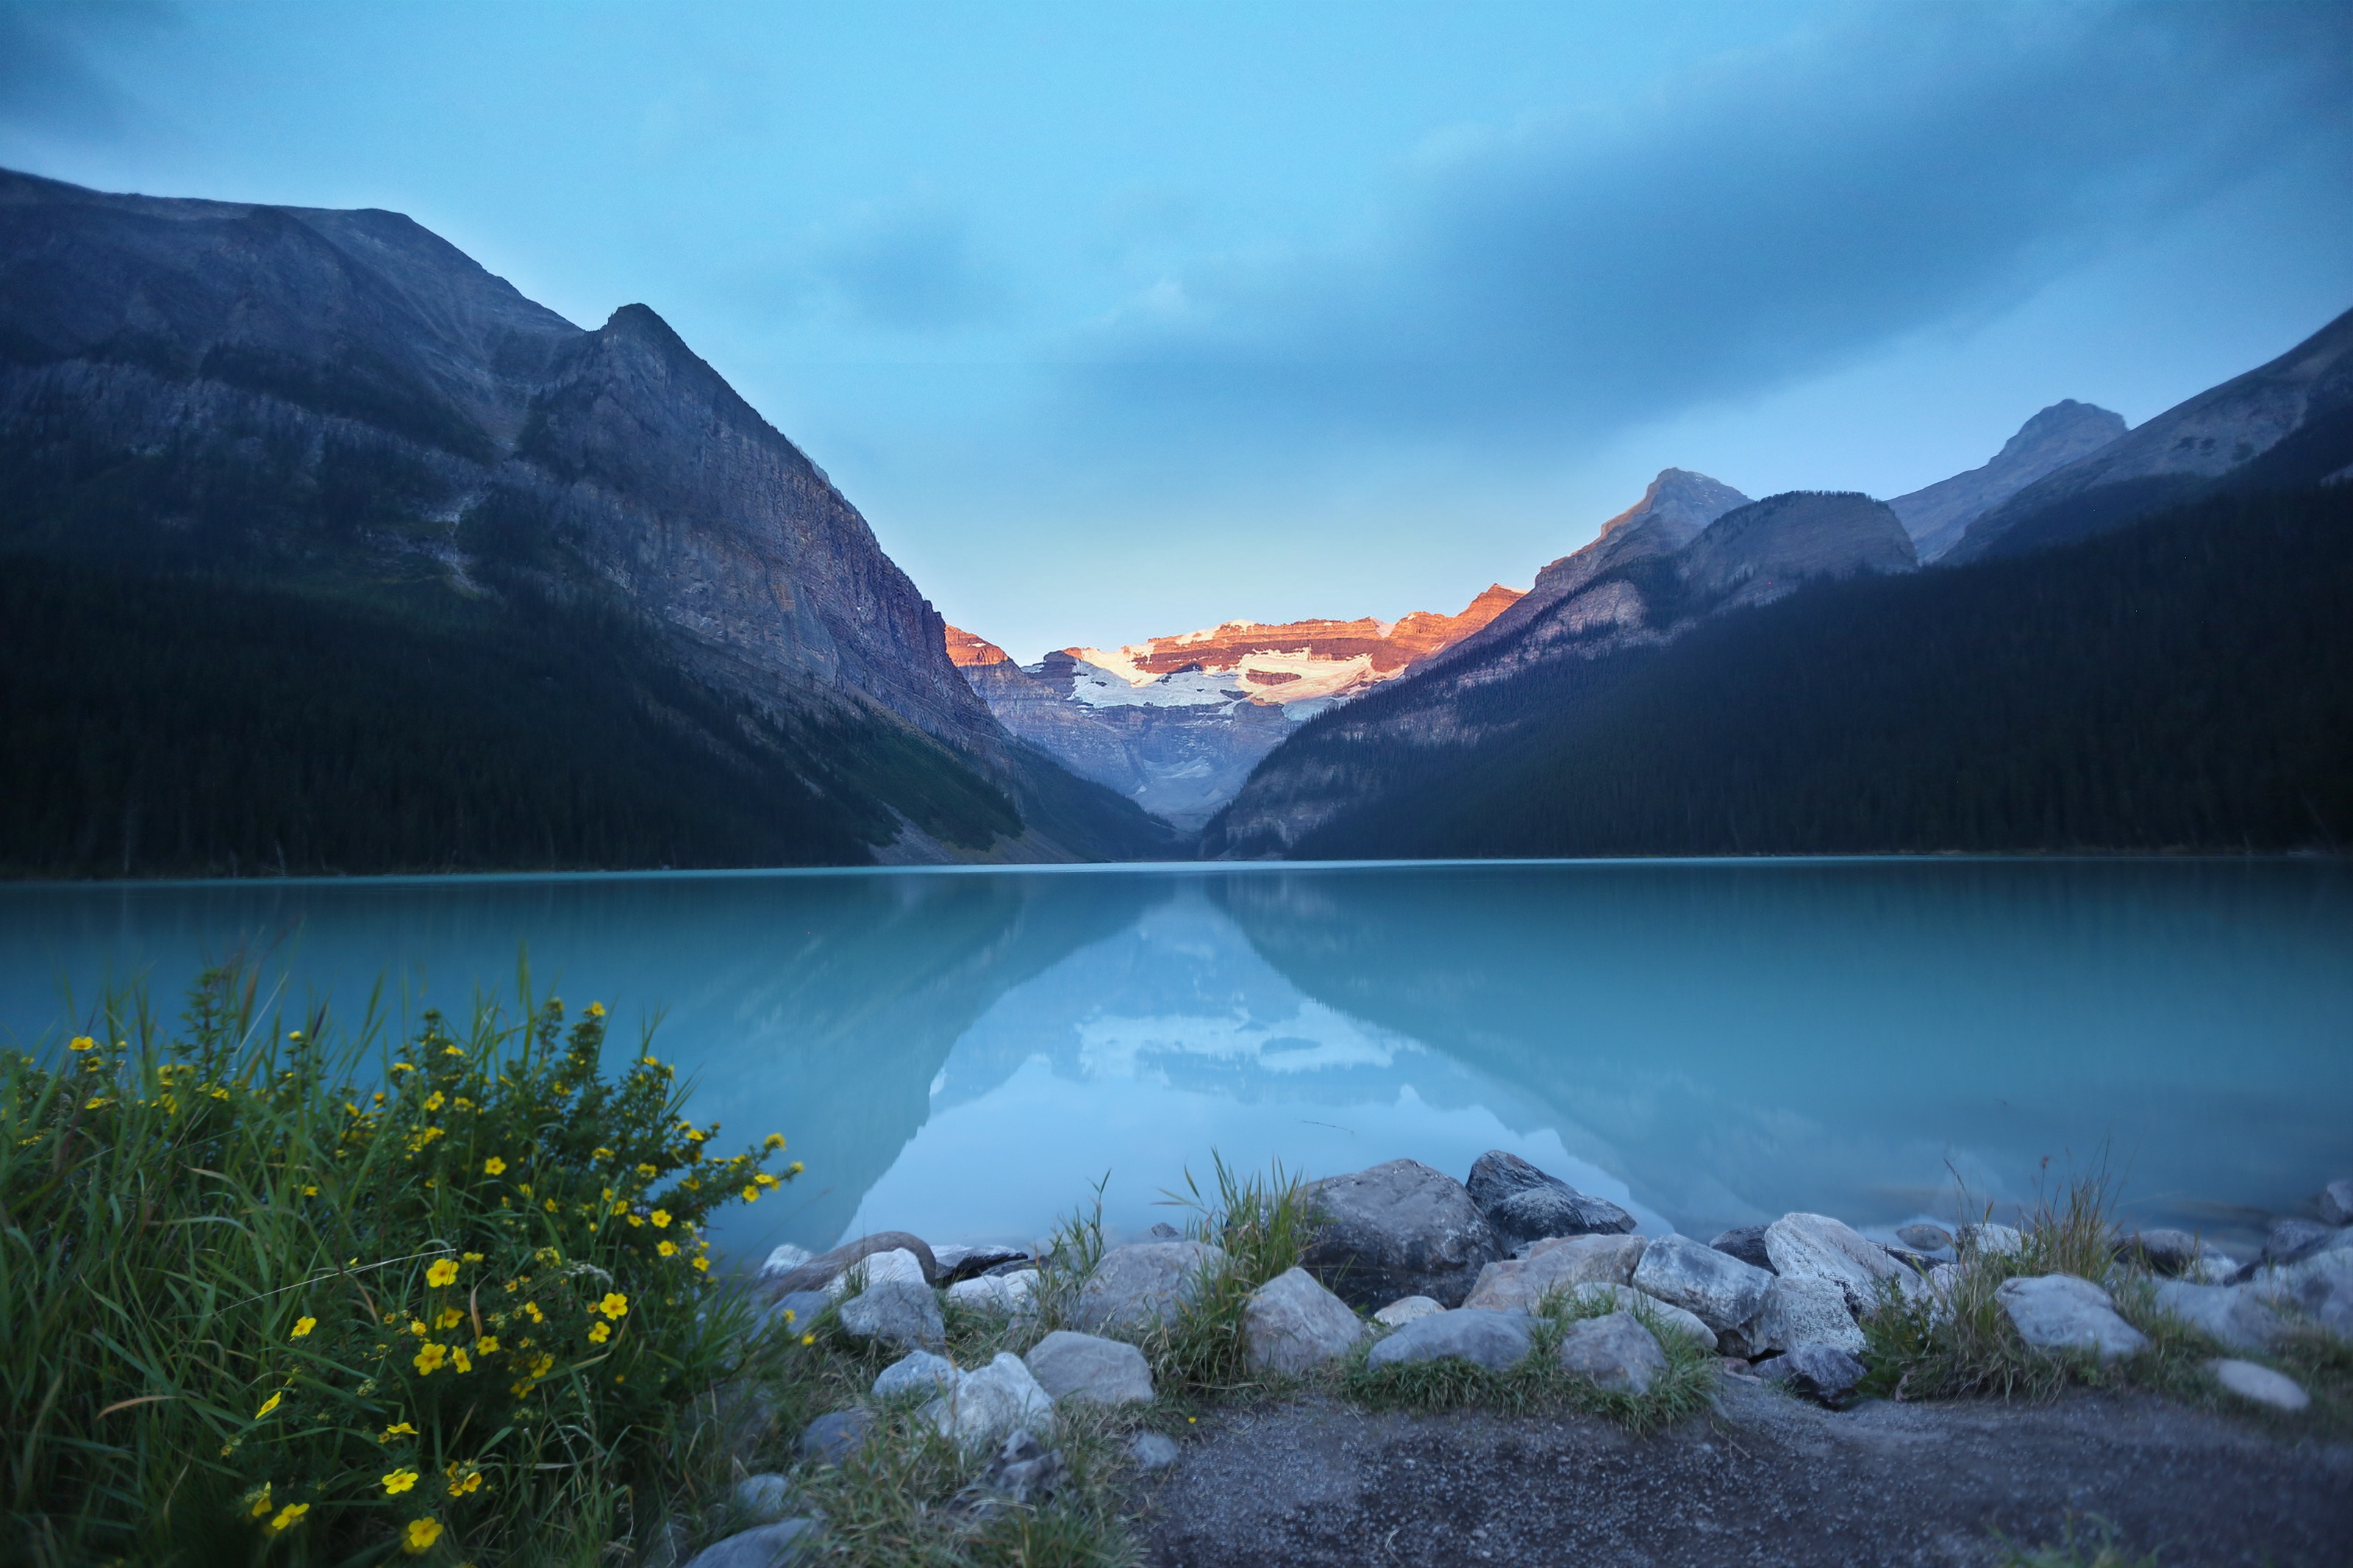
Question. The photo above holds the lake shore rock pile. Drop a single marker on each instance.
(1422, 1269)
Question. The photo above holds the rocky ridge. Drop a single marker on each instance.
(1936, 515)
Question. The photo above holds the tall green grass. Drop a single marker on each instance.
(274, 1291)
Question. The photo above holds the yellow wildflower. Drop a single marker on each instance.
(429, 1357)
(595, 1009)
(311, 1191)
(96, 1102)
(808, 1339)
(668, 1250)
(398, 1481)
(614, 1305)
(268, 1404)
(401, 1430)
(449, 1319)
(487, 1345)
(416, 1326)
(451, 1051)
(703, 1264)
(532, 1309)
(443, 1272)
(750, 1194)
(598, 1334)
(494, 1166)
(795, 1169)
(460, 1360)
(766, 1179)
(473, 1257)
(460, 1485)
(289, 1517)
(647, 1172)
(434, 1101)
(661, 1218)
(773, 1140)
(81, 1042)
(549, 1205)
(421, 1534)
(303, 1326)
(600, 1153)
(261, 1500)
(638, 1220)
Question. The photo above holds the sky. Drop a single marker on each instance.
(1120, 320)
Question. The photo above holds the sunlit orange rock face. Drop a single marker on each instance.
(965, 650)
(1388, 648)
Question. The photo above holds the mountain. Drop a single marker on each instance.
(2182, 683)
(1935, 515)
(1176, 723)
(2282, 424)
(230, 422)
(1651, 577)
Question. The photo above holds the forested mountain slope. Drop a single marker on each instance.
(2185, 682)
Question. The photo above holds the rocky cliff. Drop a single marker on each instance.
(1936, 515)
(343, 401)
(2288, 423)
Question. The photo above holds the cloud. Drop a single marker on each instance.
(908, 264)
(48, 81)
(1769, 215)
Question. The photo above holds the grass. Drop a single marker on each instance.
(253, 1309)
(2073, 1551)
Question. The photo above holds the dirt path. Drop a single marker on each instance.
(1766, 1481)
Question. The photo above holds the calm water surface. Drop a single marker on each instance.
(964, 1053)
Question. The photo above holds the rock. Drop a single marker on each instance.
(2322, 1285)
(1927, 1237)
(956, 1263)
(2292, 1240)
(1404, 1310)
(1801, 1311)
(1816, 1247)
(1151, 1451)
(1024, 1473)
(1523, 1203)
(875, 1268)
(1663, 1317)
(830, 1439)
(1070, 1365)
(905, 1316)
(1011, 1266)
(1162, 1231)
(1747, 1243)
(2212, 1268)
(1292, 1324)
(917, 1372)
(990, 1403)
(2259, 1383)
(1398, 1230)
(794, 1313)
(2059, 1311)
(1941, 1288)
(765, 1497)
(1714, 1287)
(2336, 1203)
(1905, 1257)
(2160, 1250)
(1493, 1339)
(1552, 1267)
(766, 1546)
(1992, 1240)
(1824, 1373)
(823, 1270)
(2235, 1316)
(1616, 1352)
(1136, 1287)
(1012, 1294)
(781, 1262)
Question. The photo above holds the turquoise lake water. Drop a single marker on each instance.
(964, 1053)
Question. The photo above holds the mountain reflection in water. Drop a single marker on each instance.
(964, 1053)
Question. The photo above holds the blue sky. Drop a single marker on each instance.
(1122, 319)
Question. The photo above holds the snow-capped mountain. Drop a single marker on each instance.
(1177, 722)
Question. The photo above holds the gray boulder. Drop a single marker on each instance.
(1136, 1287)
(2336, 1201)
(1599, 1296)
(781, 1262)
(1398, 1230)
(900, 1313)
(1991, 1240)
(1925, 1237)
(1714, 1287)
(2059, 1311)
(1493, 1339)
(1746, 1242)
(765, 1546)
(823, 1270)
(2322, 1285)
(1292, 1324)
(1404, 1310)
(1084, 1366)
(830, 1439)
(1014, 1294)
(917, 1372)
(2260, 1385)
(956, 1263)
(1616, 1352)
(1823, 1373)
(1523, 1203)
(990, 1403)
(1801, 1311)
(1025, 1473)
(1552, 1267)
(2159, 1250)
(2236, 1316)
(1816, 1247)
(764, 1499)
(1151, 1451)
(2292, 1240)
(892, 1264)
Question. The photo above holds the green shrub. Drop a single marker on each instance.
(250, 1310)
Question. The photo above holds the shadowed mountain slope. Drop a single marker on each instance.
(1936, 515)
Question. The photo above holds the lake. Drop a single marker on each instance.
(966, 1053)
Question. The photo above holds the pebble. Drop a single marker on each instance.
(2259, 1383)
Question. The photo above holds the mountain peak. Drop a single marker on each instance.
(965, 650)
(1936, 515)
(1687, 498)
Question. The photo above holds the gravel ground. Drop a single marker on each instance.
(1765, 1480)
